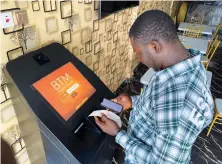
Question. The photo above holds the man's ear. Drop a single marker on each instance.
(155, 46)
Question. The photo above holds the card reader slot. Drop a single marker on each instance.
(89, 133)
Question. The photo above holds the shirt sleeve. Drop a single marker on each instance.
(134, 99)
(166, 149)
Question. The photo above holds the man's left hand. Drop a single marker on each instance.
(107, 125)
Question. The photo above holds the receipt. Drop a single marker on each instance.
(108, 114)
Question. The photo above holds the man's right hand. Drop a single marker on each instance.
(124, 100)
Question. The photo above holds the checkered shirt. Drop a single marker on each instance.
(169, 114)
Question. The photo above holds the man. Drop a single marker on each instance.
(176, 105)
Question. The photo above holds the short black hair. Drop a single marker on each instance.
(153, 25)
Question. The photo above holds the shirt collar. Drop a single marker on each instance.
(179, 68)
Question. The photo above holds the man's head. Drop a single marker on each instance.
(151, 35)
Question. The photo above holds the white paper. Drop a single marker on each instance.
(7, 20)
(108, 114)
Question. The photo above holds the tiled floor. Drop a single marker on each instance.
(206, 150)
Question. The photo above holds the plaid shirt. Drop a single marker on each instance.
(168, 115)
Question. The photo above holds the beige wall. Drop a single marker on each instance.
(113, 63)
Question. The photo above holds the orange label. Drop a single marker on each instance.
(65, 89)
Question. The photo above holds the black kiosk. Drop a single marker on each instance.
(53, 93)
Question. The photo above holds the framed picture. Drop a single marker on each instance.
(88, 46)
(81, 51)
(96, 25)
(75, 51)
(88, 14)
(15, 53)
(97, 47)
(49, 5)
(35, 6)
(51, 24)
(66, 37)
(15, 28)
(96, 65)
(64, 7)
(86, 35)
(115, 36)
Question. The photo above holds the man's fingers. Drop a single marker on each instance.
(104, 118)
(114, 100)
(98, 122)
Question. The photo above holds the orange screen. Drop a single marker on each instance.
(65, 89)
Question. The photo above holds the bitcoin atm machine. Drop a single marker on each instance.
(53, 93)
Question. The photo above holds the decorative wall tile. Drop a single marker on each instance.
(15, 53)
(88, 14)
(88, 46)
(89, 60)
(21, 17)
(95, 65)
(96, 25)
(66, 36)
(7, 113)
(27, 38)
(108, 24)
(75, 51)
(21, 4)
(94, 36)
(64, 7)
(35, 5)
(49, 5)
(97, 47)
(73, 22)
(81, 51)
(109, 47)
(51, 24)
(86, 34)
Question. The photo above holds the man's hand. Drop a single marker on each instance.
(108, 126)
(124, 100)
